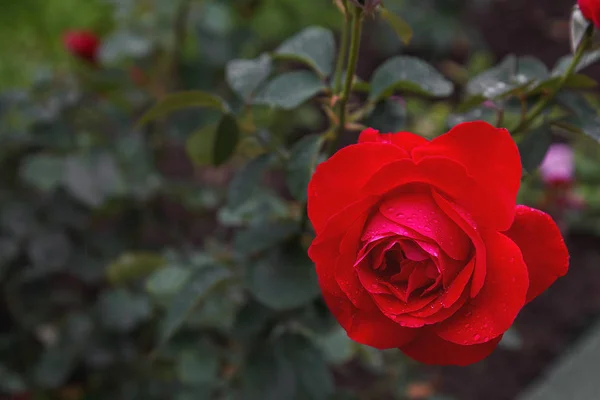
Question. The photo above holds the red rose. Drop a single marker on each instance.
(420, 244)
(590, 10)
(82, 44)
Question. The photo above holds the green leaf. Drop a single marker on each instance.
(409, 74)
(587, 60)
(182, 100)
(533, 147)
(43, 171)
(56, 364)
(314, 380)
(246, 76)
(11, 382)
(198, 365)
(134, 265)
(290, 90)
(168, 280)
(495, 81)
(213, 145)
(267, 376)
(49, 251)
(199, 145)
(512, 74)
(337, 346)
(189, 297)
(389, 115)
(400, 26)
(251, 319)
(584, 116)
(9, 249)
(314, 46)
(93, 179)
(302, 164)
(226, 140)
(122, 311)
(283, 280)
(470, 102)
(478, 113)
(217, 312)
(580, 81)
(258, 238)
(246, 181)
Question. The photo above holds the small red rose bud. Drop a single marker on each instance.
(590, 10)
(82, 44)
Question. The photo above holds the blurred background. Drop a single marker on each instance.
(103, 223)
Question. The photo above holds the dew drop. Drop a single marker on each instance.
(476, 336)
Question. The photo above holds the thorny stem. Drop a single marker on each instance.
(343, 50)
(543, 103)
(350, 70)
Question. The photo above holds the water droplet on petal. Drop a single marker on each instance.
(476, 336)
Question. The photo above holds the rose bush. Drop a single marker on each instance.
(420, 244)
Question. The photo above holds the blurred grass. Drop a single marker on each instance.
(31, 34)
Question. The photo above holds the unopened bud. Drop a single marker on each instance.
(369, 6)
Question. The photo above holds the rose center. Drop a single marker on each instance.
(408, 268)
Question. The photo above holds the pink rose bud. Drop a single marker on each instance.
(558, 167)
(82, 44)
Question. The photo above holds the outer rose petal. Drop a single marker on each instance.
(336, 182)
(490, 156)
(406, 140)
(543, 248)
(449, 177)
(431, 349)
(370, 328)
(493, 310)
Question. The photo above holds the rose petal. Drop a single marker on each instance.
(431, 349)
(470, 228)
(450, 295)
(336, 182)
(543, 248)
(325, 249)
(405, 140)
(369, 328)
(490, 156)
(448, 177)
(419, 212)
(495, 307)
(345, 273)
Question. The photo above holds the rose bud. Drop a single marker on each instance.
(590, 10)
(558, 167)
(420, 244)
(82, 44)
